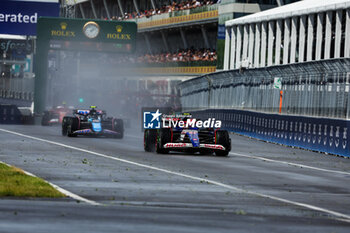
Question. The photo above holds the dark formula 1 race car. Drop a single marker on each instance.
(92, 122)
(187, 140)
(55, 115)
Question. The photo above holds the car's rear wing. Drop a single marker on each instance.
(85, 112)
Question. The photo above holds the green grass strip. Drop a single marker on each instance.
(15, 183)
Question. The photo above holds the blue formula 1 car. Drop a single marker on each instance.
(202, 140)
(92, 122)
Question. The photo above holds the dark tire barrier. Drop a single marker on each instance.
(317, 134)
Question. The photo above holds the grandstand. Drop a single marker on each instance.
(177, 40)
(175, 27)
(310, 30)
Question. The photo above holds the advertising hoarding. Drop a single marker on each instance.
(21, 17)
(9, 46)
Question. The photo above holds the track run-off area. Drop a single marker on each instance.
(112, 185)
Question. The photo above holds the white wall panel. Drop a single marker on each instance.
(338, 33)
(227, 49)
(270, 42)
(310, 37)
(263, 44)
(278, 42)
(302, 38)
(328, 35)
(319, 36)
(239, 46)
(245, 42)
(293, 44)
(347, 34)
(251, 44)
(257, 44)
(233, 47)
(286, 41)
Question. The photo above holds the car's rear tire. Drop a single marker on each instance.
(222, 138)
(64, 126)
(164, 137)
(45, 119)
(72, 126)
(118, 126)
(149, 140)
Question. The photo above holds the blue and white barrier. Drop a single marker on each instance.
(318, 134)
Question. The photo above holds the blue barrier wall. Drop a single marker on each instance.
(318, 134)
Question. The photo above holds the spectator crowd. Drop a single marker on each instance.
(184, 5)
(183, 55)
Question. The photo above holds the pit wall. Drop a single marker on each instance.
(317, 134)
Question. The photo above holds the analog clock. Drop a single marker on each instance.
(91, 30)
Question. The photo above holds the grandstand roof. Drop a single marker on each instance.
(298, 8)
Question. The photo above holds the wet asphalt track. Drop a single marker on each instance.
(141, 199)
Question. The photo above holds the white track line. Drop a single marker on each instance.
(58, 188)
(338, 216)
(288, 163)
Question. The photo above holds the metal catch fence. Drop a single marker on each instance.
(17, 88)
(316, 89)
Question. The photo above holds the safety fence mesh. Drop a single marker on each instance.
(319, 89)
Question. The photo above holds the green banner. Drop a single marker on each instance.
(87, 30)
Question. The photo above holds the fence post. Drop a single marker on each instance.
(210, 85)
(281, 98)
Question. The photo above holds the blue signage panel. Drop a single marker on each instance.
(21, 17)
(221, 32)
